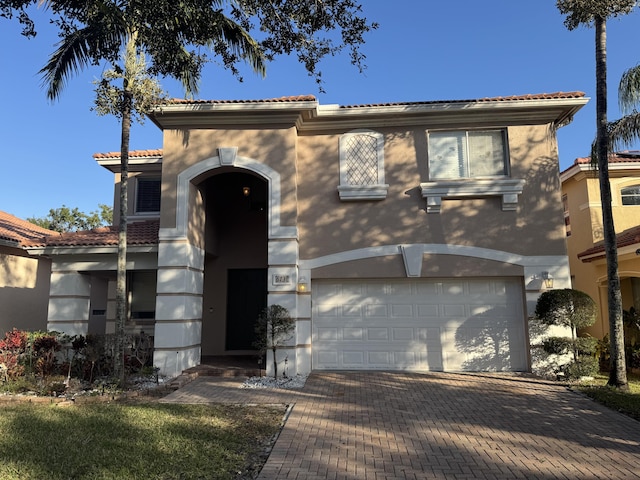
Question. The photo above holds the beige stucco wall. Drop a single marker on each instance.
(275, 147)
(328, 225)
(24, 290)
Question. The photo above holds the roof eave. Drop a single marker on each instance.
(523, 111)
(88, 249)
(176, 115)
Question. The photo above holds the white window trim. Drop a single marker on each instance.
(507, 188)
(350, 192)
(149, 214)
(623, 196)
(505, 145)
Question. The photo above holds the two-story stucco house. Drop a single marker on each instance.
(583, 217)
(403, 236)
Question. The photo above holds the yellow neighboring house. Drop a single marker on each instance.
(583, 220)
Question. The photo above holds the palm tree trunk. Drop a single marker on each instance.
(121, 282)
(618, 371)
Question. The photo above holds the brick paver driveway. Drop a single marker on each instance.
(384, 425)
(373, 425)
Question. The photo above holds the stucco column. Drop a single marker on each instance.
(69, 300)
(178, 326)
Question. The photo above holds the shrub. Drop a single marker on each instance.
(557, 345)
(44, 350)
(14, 341)
(273, 329)
(12, 349)
(585, 366)
(573, 309)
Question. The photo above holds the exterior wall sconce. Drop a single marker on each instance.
(303, 286)
(246, 191)
(547, 279)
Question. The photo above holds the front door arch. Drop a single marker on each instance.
(181, 263)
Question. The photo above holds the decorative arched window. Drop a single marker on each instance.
(630, 195)
(362, 166)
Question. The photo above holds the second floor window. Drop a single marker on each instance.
(467, 154)
(631, 195)
(362, 166)
(148, 194)
(361, 156)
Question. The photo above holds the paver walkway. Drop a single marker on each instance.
(382, 425)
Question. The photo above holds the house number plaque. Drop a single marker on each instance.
(281, 279)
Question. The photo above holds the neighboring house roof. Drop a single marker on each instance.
(617, 161)
(132, 154)
(625, 239)
(19, 232)
(138, 233)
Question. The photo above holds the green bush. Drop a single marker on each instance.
(557, 345)
(586, 346)
(572, 309)
(585, 366)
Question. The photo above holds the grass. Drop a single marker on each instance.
(104, 441)
(624, 402)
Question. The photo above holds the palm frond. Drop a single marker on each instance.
(241, 44)
(624, 131)
(629, 90)
(71, 56)
(78, 48)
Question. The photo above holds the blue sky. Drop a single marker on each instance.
(423, 50)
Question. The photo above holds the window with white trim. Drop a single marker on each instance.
(467, 154)
(362, 166)
(148, 194)
(469, 164)
(630, 195)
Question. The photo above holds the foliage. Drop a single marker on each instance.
(557, 345)
(584, 12)
(109, 441)
(145, 91)
(65, 219)
(573, 309)
(631, 320)
(181, 37)
(12, 348)
(44, 350)
(274, 328)
(42, 361)
(16, 8)
(566, 307)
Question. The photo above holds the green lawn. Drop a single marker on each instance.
(624, 402)
(142, 441)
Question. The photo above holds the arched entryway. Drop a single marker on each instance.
(236, 261)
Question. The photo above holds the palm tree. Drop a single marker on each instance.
(106, 30)
(595, 13)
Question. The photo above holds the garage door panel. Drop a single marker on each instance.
(444, 324)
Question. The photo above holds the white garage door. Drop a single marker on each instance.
(416, 325)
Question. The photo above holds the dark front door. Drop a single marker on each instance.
(246, 297)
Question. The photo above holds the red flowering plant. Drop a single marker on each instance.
(12, 348)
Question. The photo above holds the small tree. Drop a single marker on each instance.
(65, 219)
(274, 328)
(573, 309)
